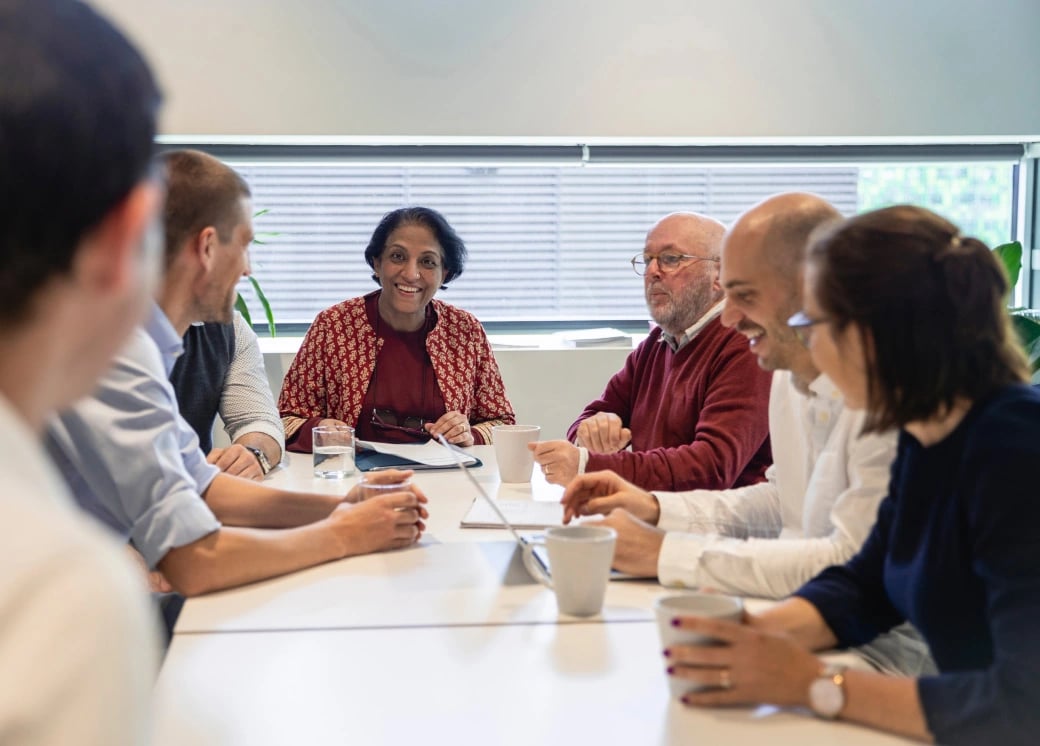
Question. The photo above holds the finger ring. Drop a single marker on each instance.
(724, 680)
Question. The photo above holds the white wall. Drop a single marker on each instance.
(612, 68)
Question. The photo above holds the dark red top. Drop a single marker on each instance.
(699, 416)
(403, 381)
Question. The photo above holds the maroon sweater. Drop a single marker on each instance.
(699, 416)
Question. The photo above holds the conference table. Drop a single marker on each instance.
(447, 641)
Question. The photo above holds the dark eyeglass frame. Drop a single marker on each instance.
(388, 419)
(802, 323)
(640, 262)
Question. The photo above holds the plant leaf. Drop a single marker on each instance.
(240, 304)
(264, 303)
(1028, 331)
(1010, 255)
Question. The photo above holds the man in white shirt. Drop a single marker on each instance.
(822, 492)
(78, 646)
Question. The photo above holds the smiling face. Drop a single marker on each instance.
(759, 301)
(230, 261)
(410, 271)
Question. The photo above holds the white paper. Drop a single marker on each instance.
(430, 453)
(523, 514)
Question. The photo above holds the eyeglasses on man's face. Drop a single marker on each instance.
(802, 323)
(667, 261)
(388, 419)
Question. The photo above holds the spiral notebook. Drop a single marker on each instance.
(370, 456)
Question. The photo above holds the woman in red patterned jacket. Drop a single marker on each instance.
(397, 365)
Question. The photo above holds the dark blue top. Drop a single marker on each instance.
(198, 376)
(956, 550)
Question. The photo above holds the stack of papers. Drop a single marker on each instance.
(604, 336)
(371, 456)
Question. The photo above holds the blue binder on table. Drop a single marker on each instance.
(417, 456)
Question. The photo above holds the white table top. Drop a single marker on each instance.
(565, 684)
(454, 576)
(446, 641)
(449, 491)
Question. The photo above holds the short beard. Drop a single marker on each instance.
(683, 312)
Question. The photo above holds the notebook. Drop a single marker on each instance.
(537, 552)
(418, 456)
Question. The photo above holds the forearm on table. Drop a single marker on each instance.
(799, 620)
(242, 502)
(701, 464)
(231, 557)
(885, 702)
(753, 510)
(270, 446)
(756, 566)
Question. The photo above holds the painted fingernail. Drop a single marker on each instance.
(685, 700)
(667, 653)
(670, 670)
(675, 622)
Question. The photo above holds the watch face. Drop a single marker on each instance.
(826, 697)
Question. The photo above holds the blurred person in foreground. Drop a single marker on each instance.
(398, 365)
(78, 104)
(908, 318)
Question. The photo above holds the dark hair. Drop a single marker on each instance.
(200, 192)
(930, 304)
(453, 247)
(77, 121)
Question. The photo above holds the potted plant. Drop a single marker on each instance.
(1025, 320)
(240, 302)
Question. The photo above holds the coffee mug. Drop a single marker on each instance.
(713, 605)
(579, 565)
(515, 460)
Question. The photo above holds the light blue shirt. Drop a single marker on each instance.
(129, 458)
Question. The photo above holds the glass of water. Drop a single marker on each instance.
(333, 451)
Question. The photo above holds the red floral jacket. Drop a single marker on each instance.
(332, 369)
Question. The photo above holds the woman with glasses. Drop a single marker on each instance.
(397, 365)
(908, 318)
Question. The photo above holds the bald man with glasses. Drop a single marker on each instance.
(689, 408)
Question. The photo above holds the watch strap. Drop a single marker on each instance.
(265, 465)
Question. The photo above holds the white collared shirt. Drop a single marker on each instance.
(816, 508)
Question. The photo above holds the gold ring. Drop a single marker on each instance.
(724, 680)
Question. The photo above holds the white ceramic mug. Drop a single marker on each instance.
(579, 562)
(714, 605)
(515, 460)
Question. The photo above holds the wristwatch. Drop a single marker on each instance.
(265, 465)
(827, 693)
